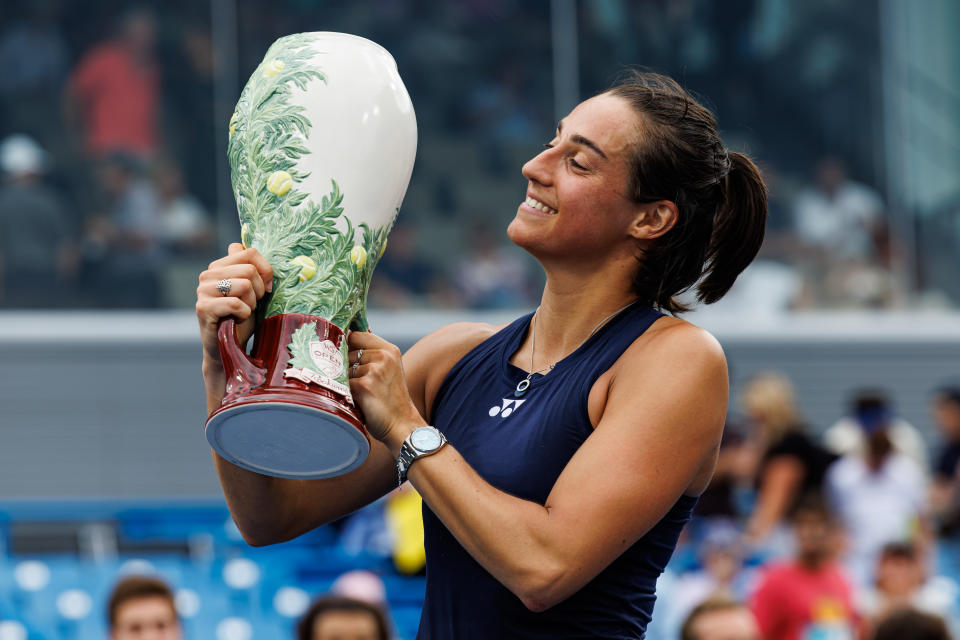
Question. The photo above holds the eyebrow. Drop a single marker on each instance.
(586, 142)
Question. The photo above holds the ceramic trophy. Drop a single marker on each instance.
(321, 149)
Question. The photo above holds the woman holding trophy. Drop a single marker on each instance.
(558, 456)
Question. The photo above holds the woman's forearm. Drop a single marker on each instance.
(510, 537)
(214, 382)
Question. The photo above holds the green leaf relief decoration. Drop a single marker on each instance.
(319, 269)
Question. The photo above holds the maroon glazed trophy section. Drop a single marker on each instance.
(279, 417)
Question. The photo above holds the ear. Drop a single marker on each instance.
(654, 219)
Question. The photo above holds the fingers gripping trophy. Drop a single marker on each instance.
(321, 149)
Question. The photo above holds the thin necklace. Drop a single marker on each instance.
(524, 384)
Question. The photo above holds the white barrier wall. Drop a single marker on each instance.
(111, 404)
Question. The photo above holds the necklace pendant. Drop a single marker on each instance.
(522, 387)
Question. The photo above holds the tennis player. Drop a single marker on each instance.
(560, 455)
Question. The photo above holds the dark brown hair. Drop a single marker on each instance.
(720, 196)
(136, 588)
(327, 604)
(717, 603)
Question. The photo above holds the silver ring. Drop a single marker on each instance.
(353, 369)
(359, 355)
(224, 286)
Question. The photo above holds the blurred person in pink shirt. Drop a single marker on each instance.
(113, 94)
(809, 596)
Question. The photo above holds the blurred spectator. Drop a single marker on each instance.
(719, 500)
(945, 493)
(142, 607)
(122, 249)
(360, 585)
(846, 248)
(721, 577)
(402, 278)
(836, 216)
(337, 618)
(880, 494)
(491, 276)
(37, 252)
(784, 463)
(848, 435)
(810, 596)
(910, 624)
(720, 619)
(183, 224)
(113, 95)
(901, 581)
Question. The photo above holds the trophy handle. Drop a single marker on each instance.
(243, 373)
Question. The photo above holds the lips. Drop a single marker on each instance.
(539, 206)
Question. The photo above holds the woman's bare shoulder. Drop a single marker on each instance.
(453, 341)
(676, 338)
(427, 363)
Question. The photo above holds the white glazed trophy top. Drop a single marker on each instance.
(364, 131)
(322, 145)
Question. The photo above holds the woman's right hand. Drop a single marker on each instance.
(250, 276)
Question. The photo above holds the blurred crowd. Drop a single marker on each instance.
(145, 606)
(837, 535)
(111, 196)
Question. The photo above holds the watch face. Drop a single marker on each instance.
(425, 439)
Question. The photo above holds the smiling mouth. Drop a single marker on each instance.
(539, 206)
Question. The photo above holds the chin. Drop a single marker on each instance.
(522, 235)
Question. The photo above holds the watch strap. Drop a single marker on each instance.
(409, 453)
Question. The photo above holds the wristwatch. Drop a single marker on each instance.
(423, 441)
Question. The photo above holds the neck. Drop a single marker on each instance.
(572, 306)
(812, 561)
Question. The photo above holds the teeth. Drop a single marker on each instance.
(539, 206)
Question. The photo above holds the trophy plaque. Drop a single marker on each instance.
(321, 149)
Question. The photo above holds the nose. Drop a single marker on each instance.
(540, 168)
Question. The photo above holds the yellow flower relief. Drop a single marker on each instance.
(358, 256)
(233, 123)
(279, 183)
(245, 236)
(383, 248)
(273, 68)
(308, 268)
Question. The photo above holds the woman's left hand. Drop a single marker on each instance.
(379, 388)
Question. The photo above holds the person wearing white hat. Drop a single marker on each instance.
(36, 234)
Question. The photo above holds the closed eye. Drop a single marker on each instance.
(573, 162)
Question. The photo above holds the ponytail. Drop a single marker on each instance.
(720, 197)
(738, 228)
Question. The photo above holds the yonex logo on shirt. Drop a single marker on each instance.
(509, 406)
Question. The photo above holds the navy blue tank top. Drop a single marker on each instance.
(520, 445)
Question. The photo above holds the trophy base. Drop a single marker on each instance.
(287, 440)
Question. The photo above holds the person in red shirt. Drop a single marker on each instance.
(810, 596)
(114, 92)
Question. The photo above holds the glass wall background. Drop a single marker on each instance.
(854, 98)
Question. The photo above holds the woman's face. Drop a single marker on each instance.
(577, 202)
